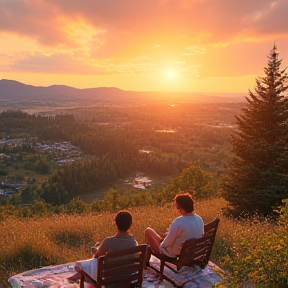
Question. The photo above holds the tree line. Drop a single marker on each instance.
(201, 185)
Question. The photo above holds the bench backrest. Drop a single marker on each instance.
(122, 268)
(198, 251)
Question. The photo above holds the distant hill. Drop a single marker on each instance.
(13, 90)
(16, 91)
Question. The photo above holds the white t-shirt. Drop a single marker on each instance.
(181, 229)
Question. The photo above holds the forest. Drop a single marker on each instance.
(111, 138)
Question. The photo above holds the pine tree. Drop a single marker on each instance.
(257, 175)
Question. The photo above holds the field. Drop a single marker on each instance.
(252, 252)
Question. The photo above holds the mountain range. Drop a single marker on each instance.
(17, 91)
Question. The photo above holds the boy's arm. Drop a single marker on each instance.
(102, 250)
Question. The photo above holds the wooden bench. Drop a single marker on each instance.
(119, 269)
(193, 252)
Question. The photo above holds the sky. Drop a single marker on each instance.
(142, 45)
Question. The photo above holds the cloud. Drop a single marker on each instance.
(273, 20)
(129, 22)
(76, 64)
(139, 36)
(36, 19)
(56, 63)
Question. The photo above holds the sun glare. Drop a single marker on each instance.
(171, 74)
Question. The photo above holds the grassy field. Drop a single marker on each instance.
(252, 252)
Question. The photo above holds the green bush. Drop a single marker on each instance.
(257, 253)
(194, 180)
(283, 211)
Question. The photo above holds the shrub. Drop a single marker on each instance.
(257, 252)
(194, 180)
(284, 211)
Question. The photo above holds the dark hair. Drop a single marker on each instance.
(123, 220)
(185, 201)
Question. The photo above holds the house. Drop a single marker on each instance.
(143, 181)
(139, 186)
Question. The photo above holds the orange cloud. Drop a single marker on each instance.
(199, 38)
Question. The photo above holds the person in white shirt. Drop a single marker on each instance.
(187, 225)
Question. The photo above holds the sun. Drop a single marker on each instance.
(171, 74)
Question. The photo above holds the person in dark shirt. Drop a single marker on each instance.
(120, 241)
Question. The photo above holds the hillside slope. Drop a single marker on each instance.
(17, 91)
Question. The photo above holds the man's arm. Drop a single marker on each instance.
(170, 238)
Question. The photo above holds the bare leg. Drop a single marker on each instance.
(153, 239)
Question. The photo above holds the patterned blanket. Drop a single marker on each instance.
(60, 277)
(191, 277)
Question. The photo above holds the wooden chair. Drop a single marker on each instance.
(119, 269)
(193, 252)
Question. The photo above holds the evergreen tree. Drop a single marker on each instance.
(257, 175)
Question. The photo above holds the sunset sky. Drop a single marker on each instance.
(151, 45)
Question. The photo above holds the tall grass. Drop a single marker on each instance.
(253, 253)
